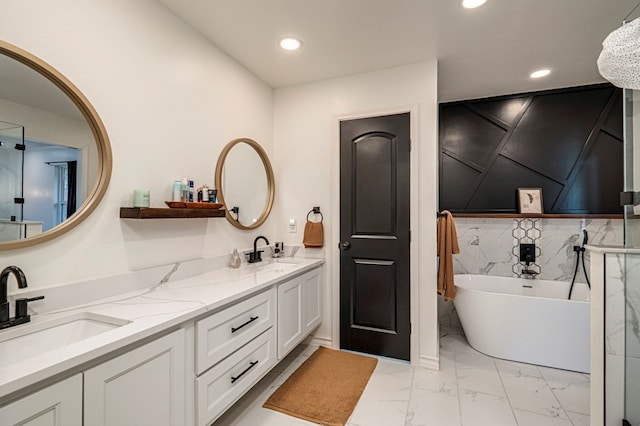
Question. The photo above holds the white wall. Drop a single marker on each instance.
(169, 100)
(306, 159)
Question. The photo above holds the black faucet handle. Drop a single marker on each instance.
(21, 306)
(255, 256)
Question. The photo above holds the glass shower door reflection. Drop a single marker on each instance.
(11, 170)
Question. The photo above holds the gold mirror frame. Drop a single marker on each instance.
(97, 129)
(270, 182)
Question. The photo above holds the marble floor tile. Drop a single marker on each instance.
(390, 381)
(455, 343)
(571, 388)
(481, 409)
(434, 396)
(527, 418)
(478, 373)
(433, 408)
(268, 418)
(579, 419)
(528, 390)
(470, 389)
(379, 413)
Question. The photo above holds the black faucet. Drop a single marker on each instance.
(256, 255)
(21, 304)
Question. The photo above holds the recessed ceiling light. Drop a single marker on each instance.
(540, 73)
(290, 43)
(472, 4)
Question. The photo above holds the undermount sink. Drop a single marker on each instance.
(276, 266)
(28, 340)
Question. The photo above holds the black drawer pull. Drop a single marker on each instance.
(253, 364)
(234, 329)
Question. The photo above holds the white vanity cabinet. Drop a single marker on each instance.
(190, 375)
(299, 309)
(235, 347)
(57, 405)
(142, 387)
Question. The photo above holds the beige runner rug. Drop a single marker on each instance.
(325, 388)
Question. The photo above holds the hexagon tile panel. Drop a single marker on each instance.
(527, 231)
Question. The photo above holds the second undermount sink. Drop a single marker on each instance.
(277, 266)
(35, 338)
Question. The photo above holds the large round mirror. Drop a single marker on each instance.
(55, 158)
(245, 183)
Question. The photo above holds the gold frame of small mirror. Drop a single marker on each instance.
(98, 130)
(270, 182)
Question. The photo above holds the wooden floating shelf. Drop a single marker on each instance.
(537, 216)
(166, 213)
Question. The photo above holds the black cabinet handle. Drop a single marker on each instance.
(234, 329)
(252, 364)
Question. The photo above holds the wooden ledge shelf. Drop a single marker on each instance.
(166, 213)
(537, 216)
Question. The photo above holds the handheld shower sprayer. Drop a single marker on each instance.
(580, 257)
(585, 238)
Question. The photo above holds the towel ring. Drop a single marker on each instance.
(315, 210)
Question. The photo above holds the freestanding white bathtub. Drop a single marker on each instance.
(537, 325)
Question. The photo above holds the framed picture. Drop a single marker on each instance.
(530, 200)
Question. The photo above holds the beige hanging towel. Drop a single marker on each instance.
(313, 235)
(447, 246)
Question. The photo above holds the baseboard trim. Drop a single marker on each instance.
(431, 363)
(319, 341)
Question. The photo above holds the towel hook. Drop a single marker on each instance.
(315, 210)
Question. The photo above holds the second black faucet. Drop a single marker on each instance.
(256, 255)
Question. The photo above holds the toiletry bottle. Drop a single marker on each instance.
(184, 197)
(191, 190)
(177, 190)
(235, 260)
(213, 194)
(205, 193)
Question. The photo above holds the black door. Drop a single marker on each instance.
(374, 236)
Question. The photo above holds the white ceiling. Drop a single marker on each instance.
(482, 52)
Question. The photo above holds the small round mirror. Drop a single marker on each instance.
(245, 183)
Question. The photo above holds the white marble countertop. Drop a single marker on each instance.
(150, 311)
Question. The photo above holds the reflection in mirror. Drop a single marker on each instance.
(11, 163)
(245, 183)
(55, 159)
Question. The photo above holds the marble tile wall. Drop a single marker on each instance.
(491, 247)
(614, 337)
(622, 336)
(487, 246)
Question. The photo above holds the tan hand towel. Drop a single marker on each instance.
(447, 246)
(313, 235)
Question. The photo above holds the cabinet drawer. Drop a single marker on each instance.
(222, 333)
(225, 383)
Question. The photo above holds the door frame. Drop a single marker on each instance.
(414, 247)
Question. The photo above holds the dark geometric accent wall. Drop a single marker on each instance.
(567, 142)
